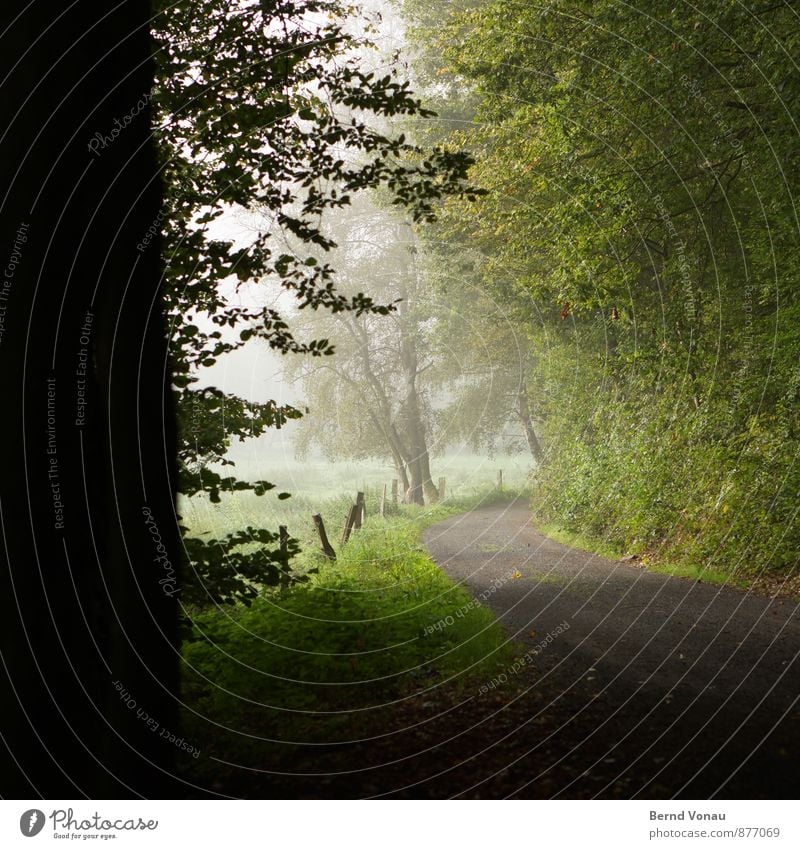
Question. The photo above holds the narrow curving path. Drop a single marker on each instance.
(667, 686)
(628, 684)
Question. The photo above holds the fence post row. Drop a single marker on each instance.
(327, 548)
(349, 522)
(361, 513)
(357, 514)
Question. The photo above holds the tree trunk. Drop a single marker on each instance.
(430, 488)
(401, 472)
(87, 496)
(422, 485)
(524, 413)
(415, 494)
(381, 414)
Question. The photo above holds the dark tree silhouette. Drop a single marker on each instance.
(90, 645)
(89, 531)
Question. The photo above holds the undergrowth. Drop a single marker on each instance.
(696, 482)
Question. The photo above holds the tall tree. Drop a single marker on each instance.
(252, 106)
(90, 544)
(640, 167)
(267, 106)
(376, 380)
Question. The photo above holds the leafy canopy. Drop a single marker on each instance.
(266, 105)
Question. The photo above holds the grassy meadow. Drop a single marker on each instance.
(319, 486)
(330, 660)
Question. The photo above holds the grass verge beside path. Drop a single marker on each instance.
(651, 561)
(329, 661)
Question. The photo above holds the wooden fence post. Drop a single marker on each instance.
(500, 480)
(349, 522)
(283, 535)
(327, 548)
(383, 501)
(442, 485)
(394, 492)
(361, 510)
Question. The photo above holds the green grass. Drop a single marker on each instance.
(653, 563)
(573, 539)
(696, 573)
(315, 661)
(327, 488)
